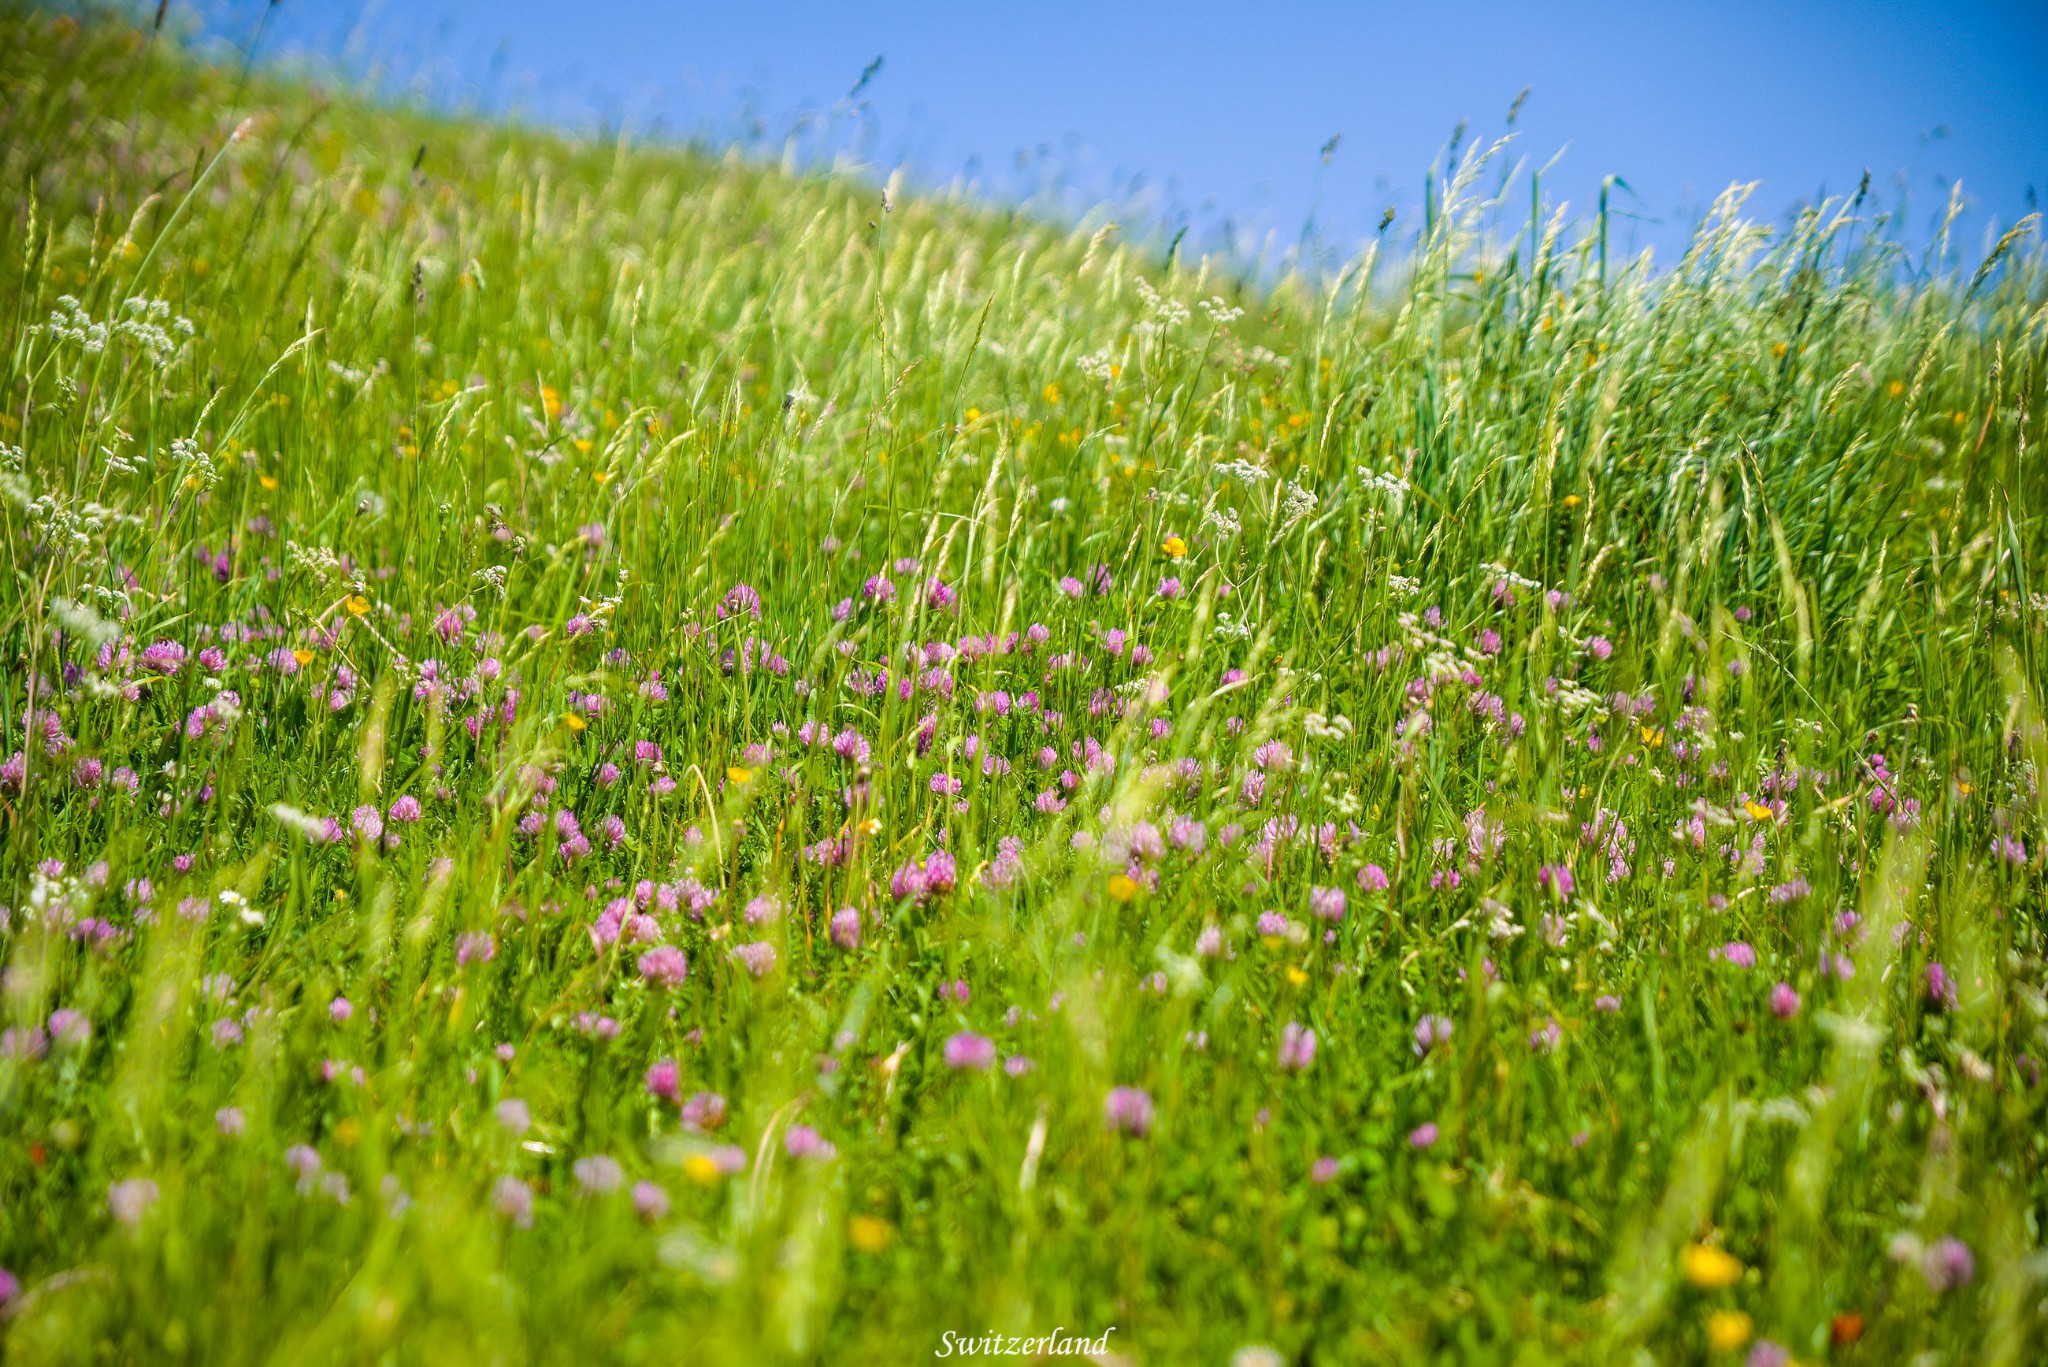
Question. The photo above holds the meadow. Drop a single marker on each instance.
(620, 753)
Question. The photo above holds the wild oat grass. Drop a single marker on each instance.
(618, 754)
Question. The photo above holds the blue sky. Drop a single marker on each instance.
(1214, 116)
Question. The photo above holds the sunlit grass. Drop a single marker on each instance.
(618, 754)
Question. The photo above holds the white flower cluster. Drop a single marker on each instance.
(1171, 312)
(1388, 483)
(79, 620)
(1332, 728)
(1221, 313)
(1243, 471)
(1223, 520)
(1228, 628)
(1297, 503)
(1403, 586)
(1098, 366)
(146, 324)
(194, 463)
(319, 561)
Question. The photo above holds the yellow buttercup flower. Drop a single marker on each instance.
(735, 774)
(357, 605)
(1175, 547)
(573, 722)
(304, 657)
(1728, 1330)
(1758, 811)
(1708, 1268)
(870, 1233)
(699, 1168)
(1123, 887)
(1652, 735)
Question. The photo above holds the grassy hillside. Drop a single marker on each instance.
(620, 755)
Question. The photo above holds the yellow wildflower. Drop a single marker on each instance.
(1728, 1330)
(870, 1233)
(1708, 1268)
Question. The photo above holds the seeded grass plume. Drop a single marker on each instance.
(614, 753)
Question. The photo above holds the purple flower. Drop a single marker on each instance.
(1128, 1109)
(304, 1161)
(230, 1121)
(130, 1201)
(1372, 878)
(69, 1029)
(1432, 1032)
(1557, 880)
(1739, 953)
(1423, 1135)
(514, 1200)
(664, 966)
(757, 958)
(1948, 1263)
(1766, 1353)
(846, 928)
(1274, 925)
(598, 1174)
(704, 1111)
(367, 823)
(10, 1287)
(1941, 987)
(664, 1080)
(1607, 1003)
(650, 1202)
(406, 810)
(1297, 1047)
(513, 1116)
(739, 599)
(1784, 1001)
(804, 1142)
(340, 1009)
(1327, 903)
(969, 1050)
(478, 945)
(1323, 1170)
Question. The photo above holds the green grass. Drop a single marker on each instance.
(1740, 527)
